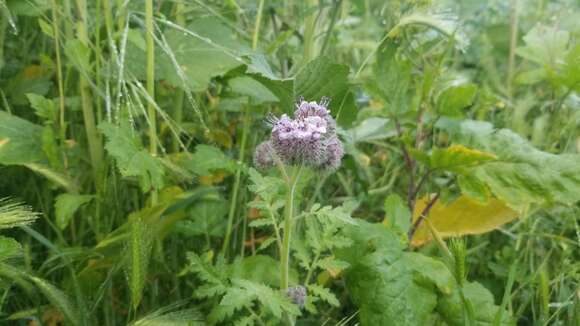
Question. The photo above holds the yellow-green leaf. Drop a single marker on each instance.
(461, 217)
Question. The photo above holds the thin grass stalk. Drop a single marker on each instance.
(236, 189)
(309, 31)
(95, 148)
(59, 77)
(151, 84)
(180, 96)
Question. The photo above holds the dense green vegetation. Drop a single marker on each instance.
(131, 191)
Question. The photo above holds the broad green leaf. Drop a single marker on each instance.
(397, 214)
(373, 129)
(544, 45)
(456, 158)
(9, 248)
(20, 141)
(66, 205)
(381, 280)
(462, 216)
(208, 50)
(393, 78)
(451, 307)
(454, 98)
(522, 174)
(250, 87)
(207, 159)
(320, 77)
(260, 268)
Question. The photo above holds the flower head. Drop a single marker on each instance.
(309, 138)
(297, 295)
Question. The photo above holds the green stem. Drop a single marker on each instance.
(56, 32)
(256, 35)
(95, 148)
(235, 192)
(151, 84)
(309, 31)
(180, 96)
(288, 217)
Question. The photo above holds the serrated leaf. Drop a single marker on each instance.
(324, 294)
(381, 282)
(272, 300)
(132, 160)
(462, 216)
(66, 205)
(544, 45)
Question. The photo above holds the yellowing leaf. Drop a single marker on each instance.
(457, 156)
(463, 216)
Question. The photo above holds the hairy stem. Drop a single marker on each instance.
(288, 216)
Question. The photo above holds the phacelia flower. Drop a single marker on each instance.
(297, 295)
(309, 138)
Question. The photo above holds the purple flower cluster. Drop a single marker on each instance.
(297, 295)
(310, 139)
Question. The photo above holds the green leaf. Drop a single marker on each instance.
(522, 174)
(390, 286)
(208, 50)
(43, 107)
(259, 268)
(544, 45)
(58, 299)
(206, 217)
(9, 248)
(456, 158)
(207, 159)
(324, 294)
(393, 77)
(20, 141)
(456, 97)
(397, 213)
(250, 87)
(320, 77)
(274, 301)
(451, 307)
(66, 205)
(132, 160)
(78, 55)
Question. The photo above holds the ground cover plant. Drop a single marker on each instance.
(331, 162)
